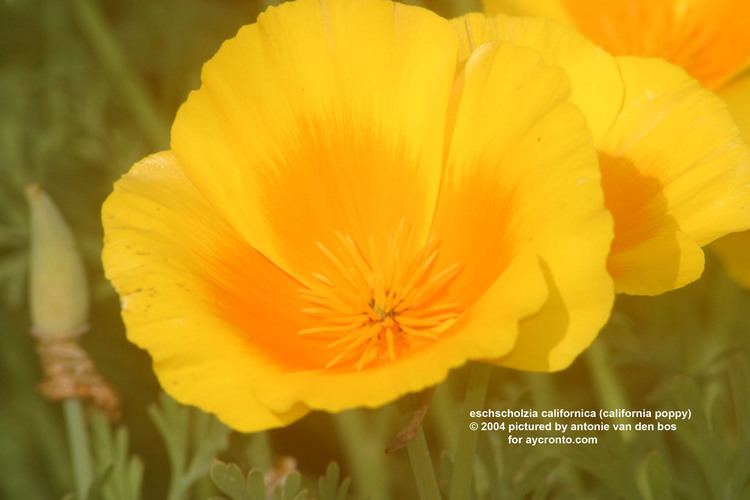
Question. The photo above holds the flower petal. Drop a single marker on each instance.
(672, 163)
(322, 117)
(737, 96)
(596, 85)
(734, 249)
(709, 38)
(550, 9)
(165, 254)
(521, 171)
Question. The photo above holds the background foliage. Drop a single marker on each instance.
(87, 88)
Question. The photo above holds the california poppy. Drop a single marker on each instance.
(675, 170)
(710, 39)
(347, 212)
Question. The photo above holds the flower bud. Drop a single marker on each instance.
(58, 292)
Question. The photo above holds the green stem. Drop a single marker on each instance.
(609, 391)
(49, 440)
(463, 466)
(111, 57)
(365, 456)
(259, 451)
(80, 455)
(421, 464)
(545, 398)
(204, 488)
(443, 412)
(726, 303)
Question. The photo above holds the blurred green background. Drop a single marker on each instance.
(87, 88)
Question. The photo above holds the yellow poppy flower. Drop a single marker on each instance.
(346, 214)
(710, 39)
(675, 171)
(734, 249)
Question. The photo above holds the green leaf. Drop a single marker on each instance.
(344, 489)
(111, 450)
(329, 487)
(654, 478)
(193, 440)
(534, 478)
(292, 485)
(609, 462)
(328, 484)
(229, 480)
(739, 381)
(97, 485)
(256, 484)
(697, 437)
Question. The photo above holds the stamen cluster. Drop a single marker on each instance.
(374, 304)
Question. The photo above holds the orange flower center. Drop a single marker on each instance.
(374, 305)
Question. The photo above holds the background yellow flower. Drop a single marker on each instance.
(676, 173)
(709, 39)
